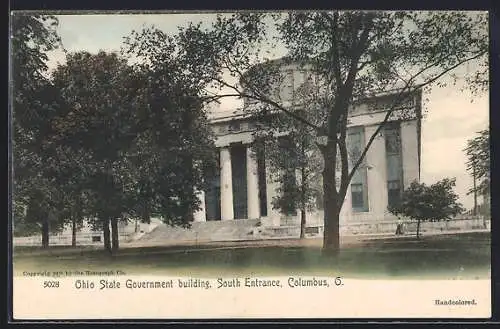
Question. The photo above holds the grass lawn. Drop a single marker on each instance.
(451, 256)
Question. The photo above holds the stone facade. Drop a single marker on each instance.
(390, 165)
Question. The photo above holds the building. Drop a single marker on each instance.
(244, 190)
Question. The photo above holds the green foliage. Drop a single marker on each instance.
(140, 137)
(91, 132)
(478, 162)
(32, 37)
(429, 203)
(174, 152)
(103, 139)
(34, 103)
(142, 132)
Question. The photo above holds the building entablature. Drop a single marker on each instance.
(242, 122)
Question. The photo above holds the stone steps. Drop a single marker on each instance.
(206, 231)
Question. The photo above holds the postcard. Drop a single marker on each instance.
(250, 165)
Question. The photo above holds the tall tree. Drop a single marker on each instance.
(428, 203)
(95, 122)
(68, 167)
(177, 134)
(478, 165)
(140, 136)
(33, 107)
(355, 55)
(174, 150)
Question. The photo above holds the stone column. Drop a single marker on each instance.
(252, 186)
(226, 186)
(376, 174)
(200, 215)
(409, 149)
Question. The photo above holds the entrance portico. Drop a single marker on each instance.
(239, 187)
(244, 188)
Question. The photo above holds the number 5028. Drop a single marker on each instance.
(51, 284)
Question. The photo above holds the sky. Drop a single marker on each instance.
(452, 118)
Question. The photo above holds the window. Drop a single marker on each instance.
(355, 145)
(392, 140)
(359, 186)
(357, 196)
(393, 167)
(234, 126)
(222, 129)
(394, 163)
(252, 125)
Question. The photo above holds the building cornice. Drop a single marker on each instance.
(241, 114)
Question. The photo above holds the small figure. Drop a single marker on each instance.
(400, 229)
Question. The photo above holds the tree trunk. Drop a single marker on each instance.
(73, 231)
(77, 219)
(302, 223)
(303, 204)
(45, 233)
(106, 233)
(418, 229)
(474, 212)
(304, 186)
(146, 216)
(136, 226)
(190, 215)
(331, 241)
(114, 234)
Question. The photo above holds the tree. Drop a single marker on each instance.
(142, 142)
(296, 167)
(478, 164)
(179, 132)
(70, 174)
(95, 127)
(355, 56)
(428, 203)
(33, 107)
(174, 153)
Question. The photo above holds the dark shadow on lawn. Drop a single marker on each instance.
(443, 256)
